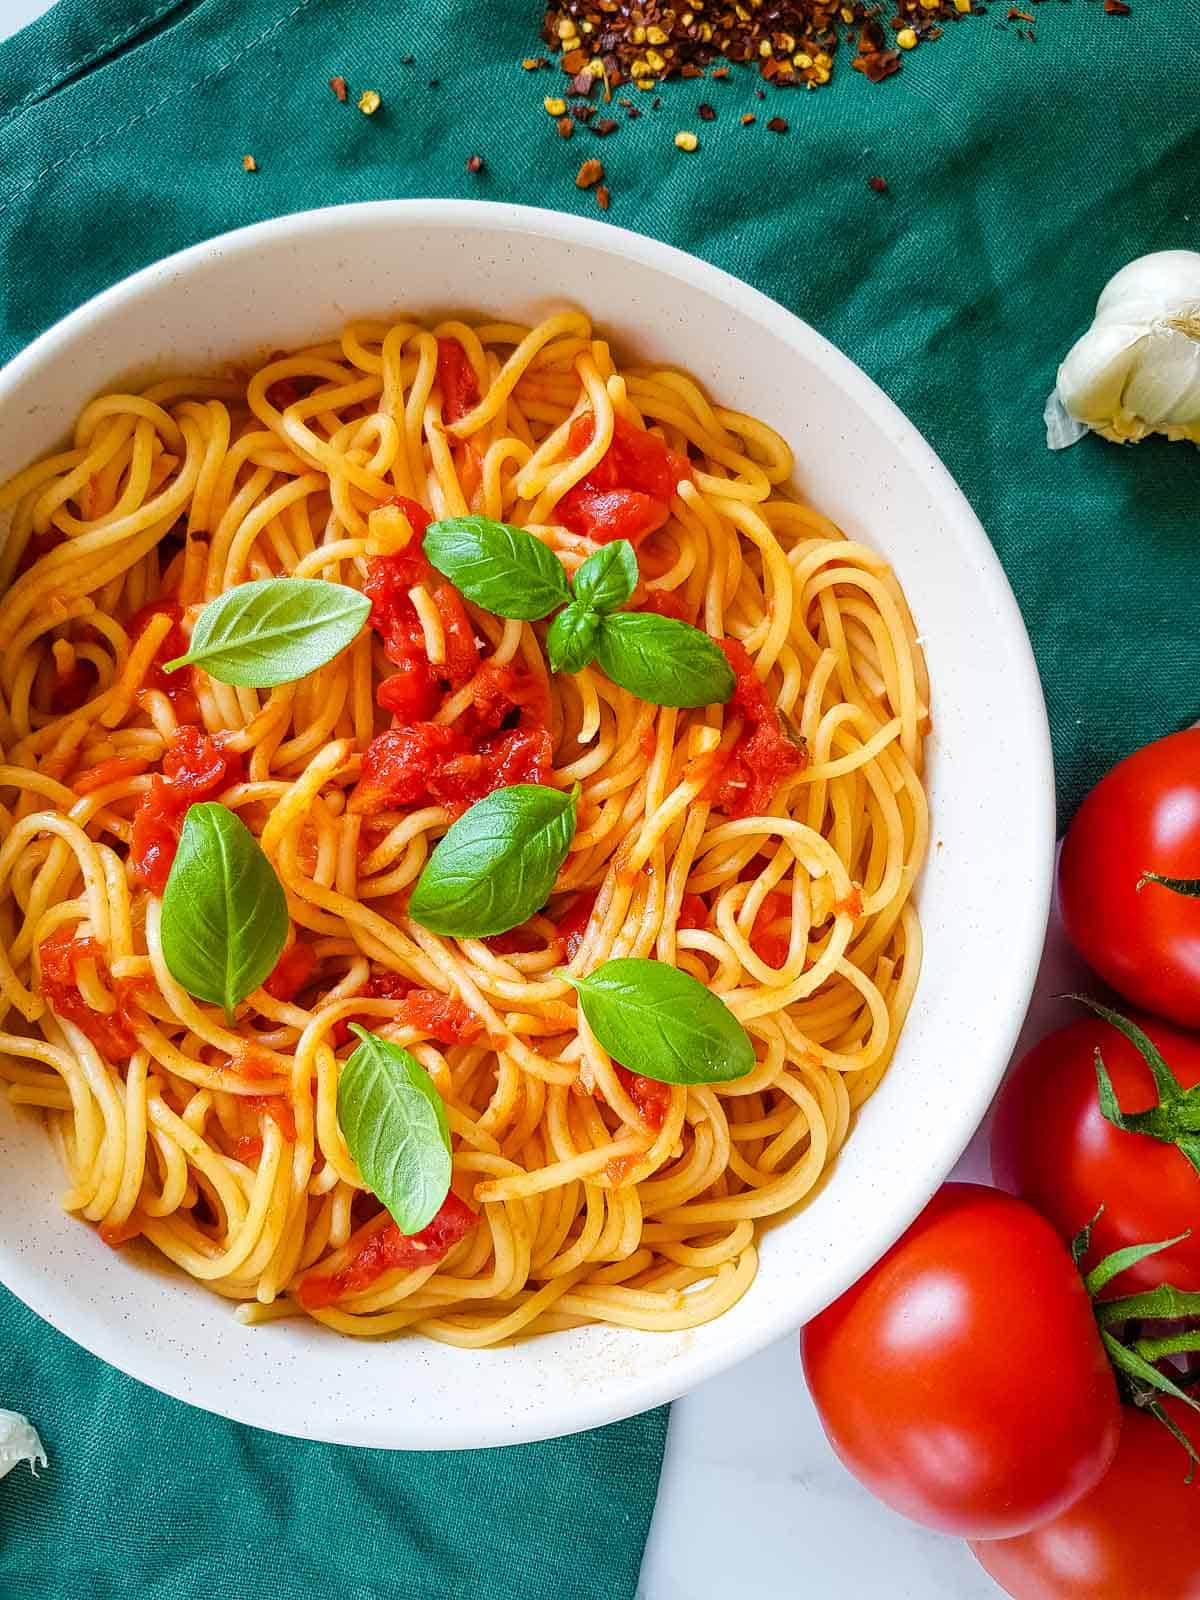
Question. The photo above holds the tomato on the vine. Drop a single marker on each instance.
(1143, 817)
(1053, 1145)
(963, 1379)
(1136, 1536)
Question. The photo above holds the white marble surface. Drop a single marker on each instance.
(746, 1457)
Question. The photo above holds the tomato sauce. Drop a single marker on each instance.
(196, 767)
(292, 971)
(693, 913)
(768, 941)
(572, 925)
(456, 379)
(627, 493)
(763, 755)
(70, 689)
(388, 1250)
(114, 770)
(115, 1234)
(279, 1110)
(439, 1015)
(652, 1099)
(111, 1032)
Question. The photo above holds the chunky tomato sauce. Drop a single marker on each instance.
(439, 1015)
(388, 1250)
(279, 1110)
(111, 1032)
(747, 777)
(771, 933)
(291, 972)
(693, 913)
(196, 767)
(114, 770)
(572, 925)
(627, 493)
(652, 1099)
(456, 379)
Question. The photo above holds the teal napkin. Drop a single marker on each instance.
(1021, 174)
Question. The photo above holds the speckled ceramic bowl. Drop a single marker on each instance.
(983, 899)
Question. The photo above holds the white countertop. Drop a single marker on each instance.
(746, 1455)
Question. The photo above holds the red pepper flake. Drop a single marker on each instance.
(566, 128)
(583, 113)
(532, 63)
(475, 164)
(340, 88)
(719, 72)
(777, 125)
(1117, 8)
(250, 164)
(705, 112)
(1023, 16)
(747, 119)
(583, 83)
(879, 185)
(589, 173)
(879, 66)
(605, 126)
(633, 113)
(691, 71)
(603, 197)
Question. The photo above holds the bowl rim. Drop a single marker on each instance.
(636, 1392)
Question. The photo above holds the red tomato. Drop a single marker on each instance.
(388, 1249)
(58, 956)
(652, 1098)
(605, 515)
(1144, 816)
(962, 1379)
(746, 778)
(443, 1018)
(1052, 1145)
(456, 379)
(1136, 1536)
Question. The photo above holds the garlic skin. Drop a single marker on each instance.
(1136, 371)
(19, 1442)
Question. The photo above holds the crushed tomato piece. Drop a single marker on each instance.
(414, 692)
(456, 379)
(388, 1250)
(769, 944)
(572, 925)
(441, 1016)
(196, 767)
(693, 913)
(111, 771)
(428, 764)
(851, 905)
(627, 493)
(652, 1099)
(291, 972)
(279, 1110)
(111, 1032)
(248, 1148)
(746, 778)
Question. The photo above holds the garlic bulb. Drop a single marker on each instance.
(19, 1442)
(1137, 368)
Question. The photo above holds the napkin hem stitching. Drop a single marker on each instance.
(90, 57)
(124, 127)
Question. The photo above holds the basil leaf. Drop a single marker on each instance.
(607, 578)
(395, 1127)
(662, 1023)
(571, 638)
(224, 913)
(274, 630)
(663, 662)
(505, 570)
(497, 864)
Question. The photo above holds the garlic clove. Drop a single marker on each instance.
(1092, 379)
(19, 1442)
(1137, 369)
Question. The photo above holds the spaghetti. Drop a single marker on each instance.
(767, 847)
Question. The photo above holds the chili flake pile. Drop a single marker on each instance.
(793, 45)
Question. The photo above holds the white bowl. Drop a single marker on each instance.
(983, 900)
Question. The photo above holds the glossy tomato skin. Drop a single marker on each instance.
(1144, 816)
(1052, 1146)
(962, 1380)
(1136, 1536)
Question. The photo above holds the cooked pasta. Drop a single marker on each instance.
(767, 846)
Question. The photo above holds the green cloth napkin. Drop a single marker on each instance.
(1021, 174)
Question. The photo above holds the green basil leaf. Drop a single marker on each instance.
(395, 1127)
(497, 864)
(662, 1023)
(224, 913)
(607, 578)
(663, 662)
(274, 630)
(505, 570)
(571, 638)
